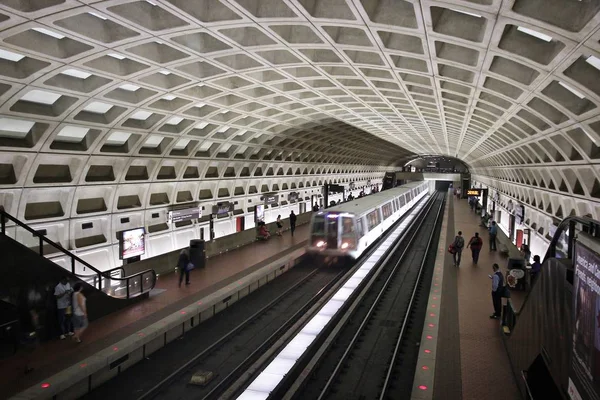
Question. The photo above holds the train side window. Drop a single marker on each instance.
(373, 219)
(359, 227)
(386, 210)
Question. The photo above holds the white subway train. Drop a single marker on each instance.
(348, 229)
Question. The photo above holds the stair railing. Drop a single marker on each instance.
(133, 285)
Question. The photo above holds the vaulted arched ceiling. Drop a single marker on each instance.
(114, 99)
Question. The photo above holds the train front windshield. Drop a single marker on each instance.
(328, 229)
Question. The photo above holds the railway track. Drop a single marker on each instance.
(222, 342)
(372, 350)
(224, 348)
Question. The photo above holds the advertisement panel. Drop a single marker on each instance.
(259, 213)
(584, 378)
(132, 243)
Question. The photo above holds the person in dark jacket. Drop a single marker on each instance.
(475, 244)
(184, 266)
(497, 290)
(536, 267)
(292, 222)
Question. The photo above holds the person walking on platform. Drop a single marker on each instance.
(185, 266)
(279, 225)
(292, 222)
(493, 232)
(458, 244)
(475, 243)
(497, 290)
(536, 267)
(80, 315)
(315, 207)
(63, 293)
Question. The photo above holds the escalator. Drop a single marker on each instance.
(541, 338)
(27, 274)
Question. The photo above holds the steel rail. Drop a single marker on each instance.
(369, 314)
(409, 309)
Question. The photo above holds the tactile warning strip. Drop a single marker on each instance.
(423, 383)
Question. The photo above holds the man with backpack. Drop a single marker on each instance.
(493, 233)
(497, 291)
(458, 244)
(475, 244)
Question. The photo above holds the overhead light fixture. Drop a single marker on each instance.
(591, 136)
(594, 62)
(164, 72)
(76, 73)
(535, 34)
(129, 87)
(570, 89)
(174, 121)
(103, 18)
(48, 32)
(10, 56)
(466, 12)
(117, 56)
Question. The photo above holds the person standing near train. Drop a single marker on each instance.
(292, 222)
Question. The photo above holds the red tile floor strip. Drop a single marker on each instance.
(51, 357)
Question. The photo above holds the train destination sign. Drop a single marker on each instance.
(185, 214)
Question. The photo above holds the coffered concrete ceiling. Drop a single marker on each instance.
(209, 97)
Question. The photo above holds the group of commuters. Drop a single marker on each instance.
(475, 243)
(263, 231)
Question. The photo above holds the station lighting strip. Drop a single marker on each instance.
(269, 378)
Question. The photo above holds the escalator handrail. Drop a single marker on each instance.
(566, 223)
(100, 274)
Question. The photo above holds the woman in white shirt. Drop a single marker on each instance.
(80, 317)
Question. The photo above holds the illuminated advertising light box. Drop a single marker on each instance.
(132, 243)
(584, 376)
(259, 213)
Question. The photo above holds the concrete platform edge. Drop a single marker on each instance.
(91, 372)
(424, 376)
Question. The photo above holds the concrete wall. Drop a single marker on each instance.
(167, 262)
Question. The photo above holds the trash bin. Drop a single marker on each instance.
(197, 253)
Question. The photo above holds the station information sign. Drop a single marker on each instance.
(270, 199)
(473, 192)
(222, 208)
(185, 214)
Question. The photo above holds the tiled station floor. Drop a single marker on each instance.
(51, 357)
(472, 362)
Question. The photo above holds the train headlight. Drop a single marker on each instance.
(344, 245)
(320, 243)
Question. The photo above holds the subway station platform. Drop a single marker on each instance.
(469, 360)
(58, 363)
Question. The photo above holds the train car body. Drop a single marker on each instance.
(348, 229)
